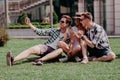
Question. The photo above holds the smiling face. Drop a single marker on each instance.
(63, 23)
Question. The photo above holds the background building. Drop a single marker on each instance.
(37, 9)
(105, 12)
(2, 14)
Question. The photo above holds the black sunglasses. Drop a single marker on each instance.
(62, 21)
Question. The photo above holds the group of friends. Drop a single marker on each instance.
(84, 42)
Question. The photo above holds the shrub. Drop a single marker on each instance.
(21, 18)
(55, 18)
(35, 23)
(3, 36)
(46, 20)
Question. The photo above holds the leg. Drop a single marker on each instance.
(33, 50)
(84, 49)
(75, 51)
(109, 57)
(84, 52)
(51, 55)
(66, 48)
(63, 46)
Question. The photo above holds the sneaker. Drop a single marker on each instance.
(65, 59)
(92, 58)
(38, 63)
(77, 59)
(84, 61)
(9, 59)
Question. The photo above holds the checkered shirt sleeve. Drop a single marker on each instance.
(52, 33)
(42, 32)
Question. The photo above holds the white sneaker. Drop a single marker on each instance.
(77, 59)
(84, 61)
(63, 59)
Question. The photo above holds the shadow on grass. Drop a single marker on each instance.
(32, 59)
(118, 56)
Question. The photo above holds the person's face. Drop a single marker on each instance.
(63, 23)
(84, 22)
(77, 21)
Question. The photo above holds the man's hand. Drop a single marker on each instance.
(80, 33)
(27, 21)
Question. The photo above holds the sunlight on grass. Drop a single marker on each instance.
(24, 70)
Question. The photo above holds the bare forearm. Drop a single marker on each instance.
(32, 26)
(88, 42)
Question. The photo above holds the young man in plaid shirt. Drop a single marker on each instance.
(96, 40)
(55, 35)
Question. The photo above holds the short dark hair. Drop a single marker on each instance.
(68, 19)
(87, 15)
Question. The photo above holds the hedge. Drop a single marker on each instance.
(38, 25)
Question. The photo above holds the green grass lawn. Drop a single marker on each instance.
(24, 70)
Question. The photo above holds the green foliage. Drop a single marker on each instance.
(3, 36)
(37, 24)
(18, 26)
(55, 18)
(21, 18)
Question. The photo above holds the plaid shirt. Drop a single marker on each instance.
(99, 37)
(52, 33)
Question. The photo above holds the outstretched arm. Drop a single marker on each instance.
(40, 32)
(28, 22)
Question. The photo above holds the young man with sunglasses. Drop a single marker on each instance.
(96, 40)
(55, 35)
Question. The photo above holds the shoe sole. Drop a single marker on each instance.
(37, 63)
(8, 59)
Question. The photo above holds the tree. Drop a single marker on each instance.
(21, 19)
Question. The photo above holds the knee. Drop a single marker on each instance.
(78, 48)
(60, 44)
(60, 50)
(34, 50)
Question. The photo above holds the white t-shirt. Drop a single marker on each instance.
(76, 43)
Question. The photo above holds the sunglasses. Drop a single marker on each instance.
(78, 15)
(62, 21)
